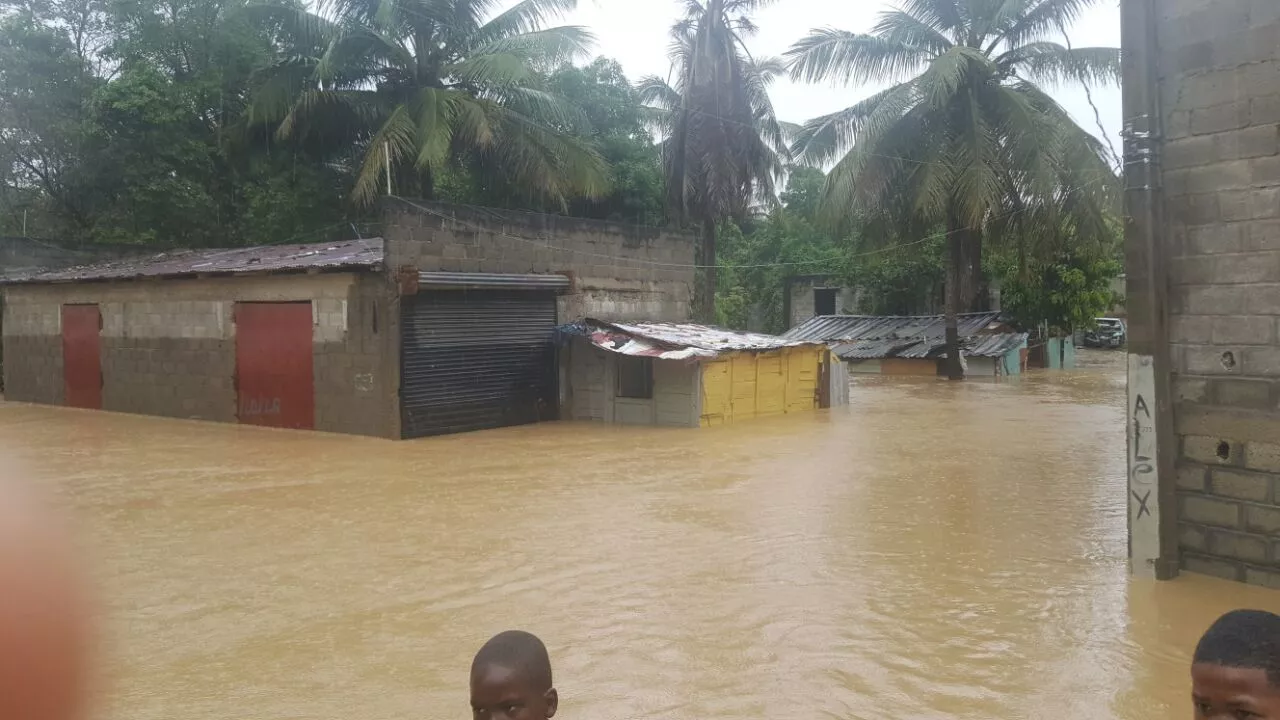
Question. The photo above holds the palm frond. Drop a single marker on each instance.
(393, 142)
(491, 70)
(433, 112)
(1054, 64)
(1043, 18)
(821, 139)
(544, 48)
(524, 17)
(838, 56)
(910, 30)
(959, 68)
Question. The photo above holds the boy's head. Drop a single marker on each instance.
(1236, 670)
(511, 679)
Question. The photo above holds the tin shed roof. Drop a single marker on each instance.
(990, 346)
(366, 253)
(675, 341)
(830, 328)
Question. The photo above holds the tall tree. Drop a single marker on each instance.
(965, 136)
(429, 85)
(723, 147)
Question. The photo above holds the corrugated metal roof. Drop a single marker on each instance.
(367, 253)
(992, 346)
(996, 345)
(830, 328)
(676, 341)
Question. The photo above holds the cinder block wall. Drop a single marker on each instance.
(620, 272)
(168, 346)
(1219, 63)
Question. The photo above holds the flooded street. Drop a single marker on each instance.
(933, 551)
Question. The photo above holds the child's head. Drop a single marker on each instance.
(1236, 670)
(511, 679)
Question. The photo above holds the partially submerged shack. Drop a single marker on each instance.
(683, 374)
(916, 345)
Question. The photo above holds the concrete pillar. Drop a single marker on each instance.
(1153, 540)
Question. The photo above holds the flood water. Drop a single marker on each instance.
(934, 551)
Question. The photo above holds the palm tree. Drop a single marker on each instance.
(722, 145)
(964, 137)
(429, 85)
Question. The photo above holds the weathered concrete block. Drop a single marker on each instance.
(1262, 300)
(1264, 578)
(1220, 118)
(1214, 567)
(1240, 485)
(1194, 210)
(1212, 450)
(1247, 329)
(1188, 389)
(1249, 548)
(1241, 205)
(1215, 300)
(1192, 537)
(1263, 109)
(1192, 477)
(1234, 174)
(1242, 393)
(1261, 236)
(1226, 269)
(1261, 361)
(1209, 511)
(1259, 141)
(1263, 456)
(1262, 519)
(1209, 360)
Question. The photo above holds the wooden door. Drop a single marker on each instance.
(82, 356)
(275, 375)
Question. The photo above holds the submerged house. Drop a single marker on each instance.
(916, 345)
(445, 324)
(682, 374)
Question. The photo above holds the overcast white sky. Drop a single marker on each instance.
(635, 33)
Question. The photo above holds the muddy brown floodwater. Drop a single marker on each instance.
(933, 551)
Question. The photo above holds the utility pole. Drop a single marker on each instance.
(1153, 539)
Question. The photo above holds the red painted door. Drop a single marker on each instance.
(274, 373)
(81, 356)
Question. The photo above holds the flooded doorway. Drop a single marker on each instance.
(275, 375)
(82, 356)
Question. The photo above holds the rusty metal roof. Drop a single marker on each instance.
(675, 341)
(831, 328)
(990, 346)
(366, 253)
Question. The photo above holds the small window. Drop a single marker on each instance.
(635, 377)
(824, 301)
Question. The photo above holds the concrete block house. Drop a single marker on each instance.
(445, 324)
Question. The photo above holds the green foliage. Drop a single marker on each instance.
(755, 265)
(903, 278)
(1068, 291)
(431, 87)
(608, 120)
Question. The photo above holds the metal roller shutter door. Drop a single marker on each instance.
(472, 360)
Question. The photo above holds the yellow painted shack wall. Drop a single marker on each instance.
(743, 386)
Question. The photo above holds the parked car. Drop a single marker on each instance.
(1109, 333)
